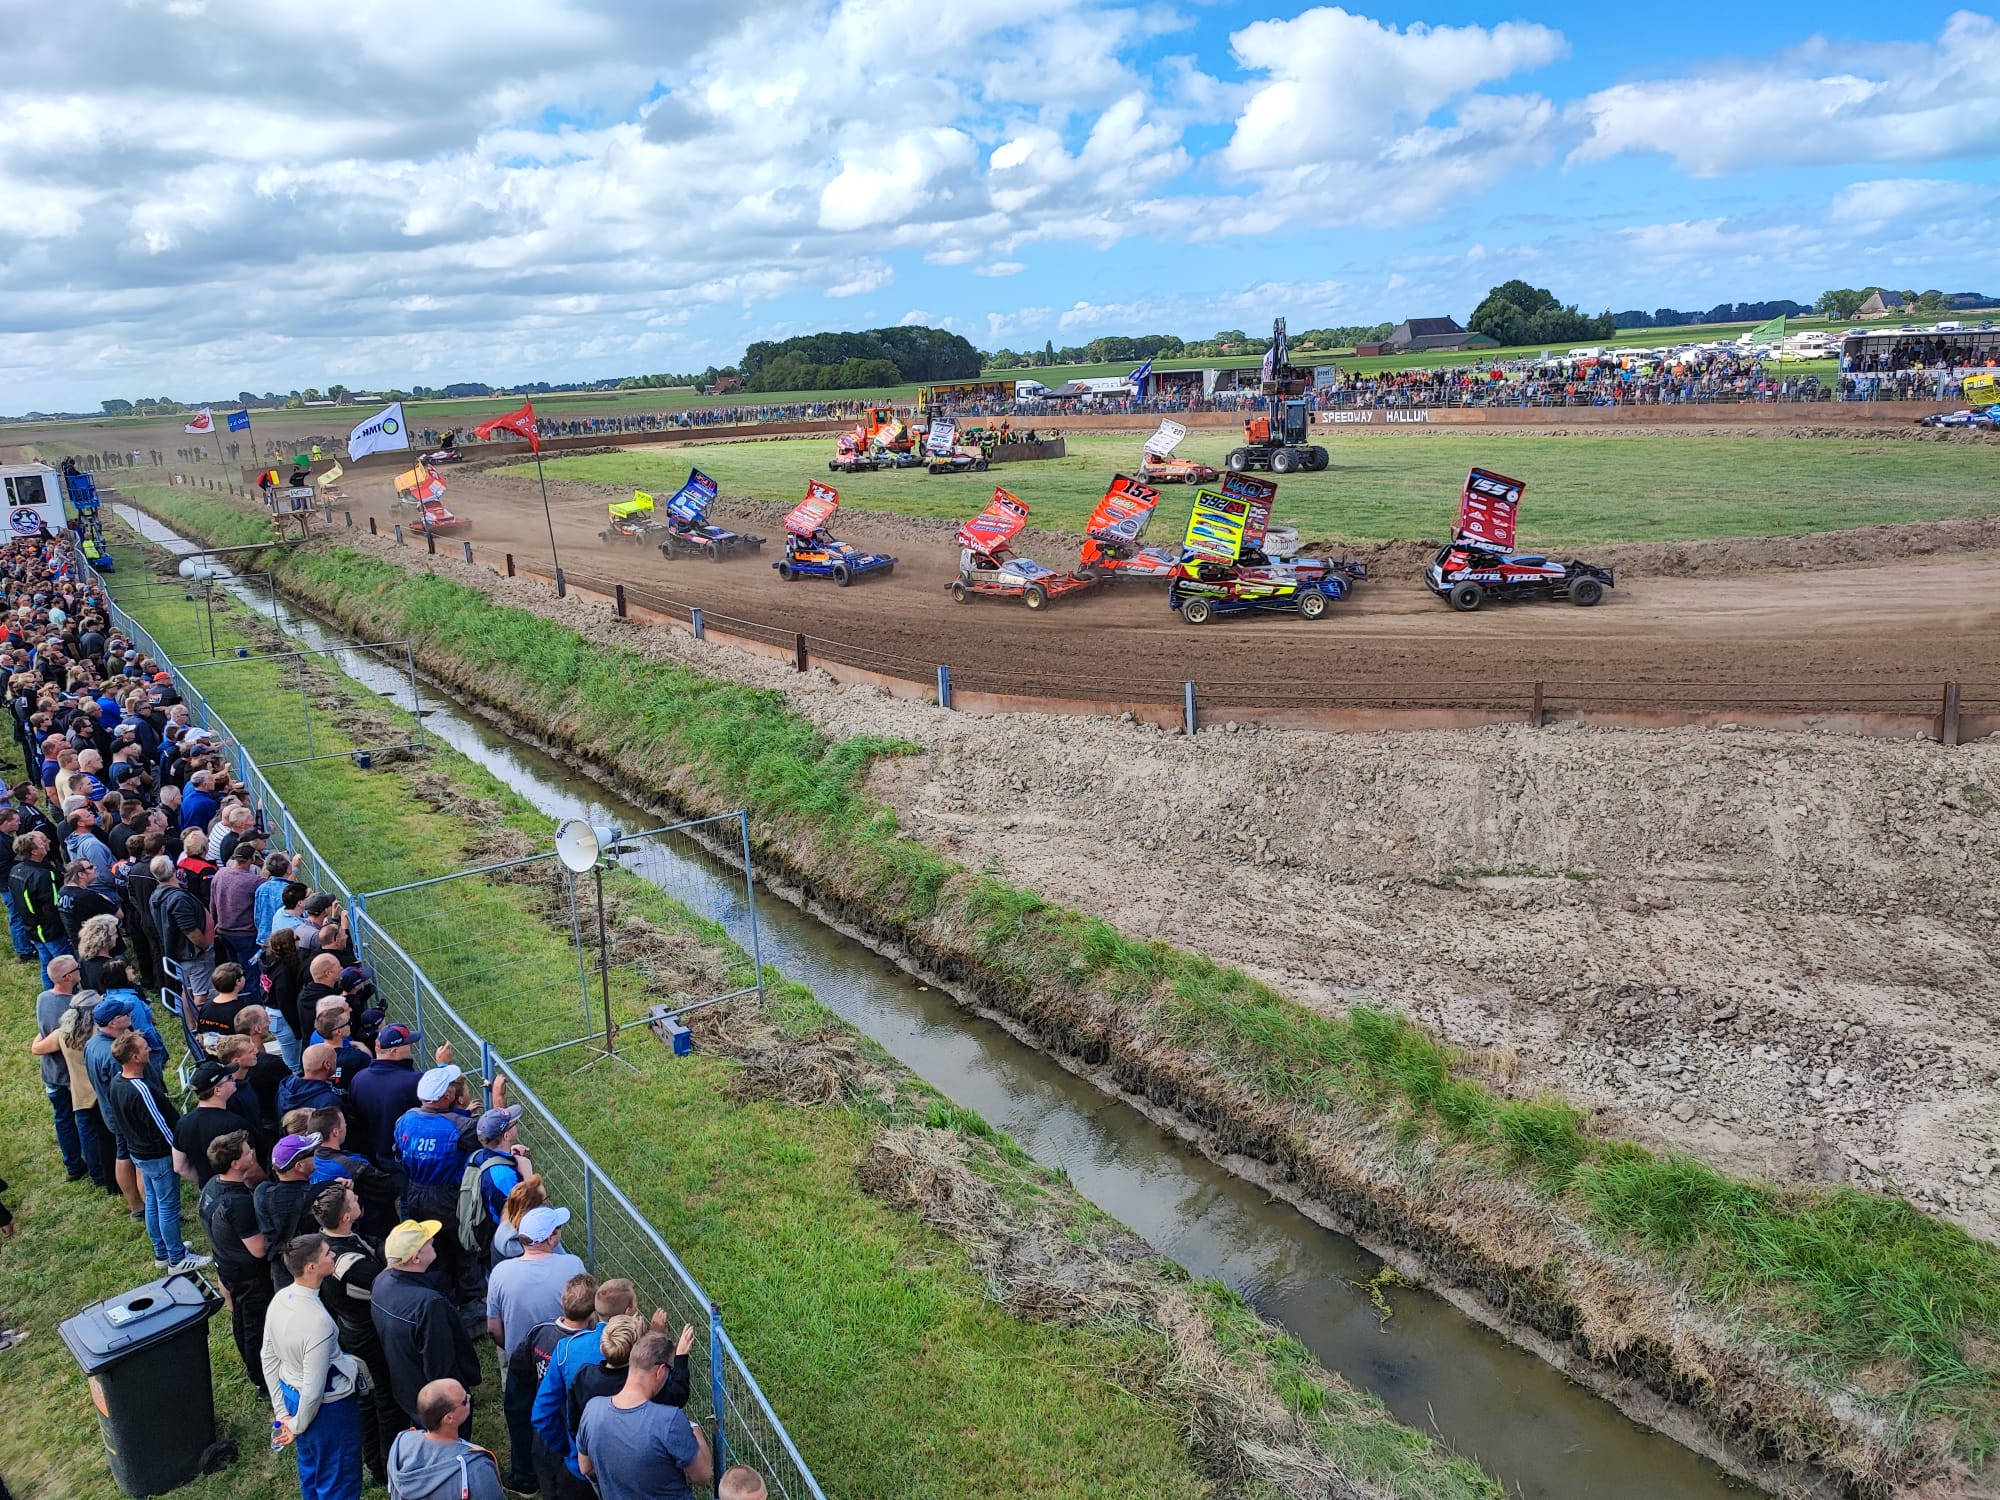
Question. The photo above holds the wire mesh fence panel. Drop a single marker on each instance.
(485, 939)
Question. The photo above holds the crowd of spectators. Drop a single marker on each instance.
(203, 1021)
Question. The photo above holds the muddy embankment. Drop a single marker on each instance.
(1488, 1243)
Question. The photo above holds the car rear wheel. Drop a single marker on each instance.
(1195, 611)
(667, 549)
(1585, 592)
(1466, 597)
(1238, 460)
(1312, 604)
(841, 575)
(1316, 459)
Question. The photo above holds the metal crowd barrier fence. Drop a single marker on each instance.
(616, 1239)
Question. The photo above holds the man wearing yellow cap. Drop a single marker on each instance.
(422, 1335)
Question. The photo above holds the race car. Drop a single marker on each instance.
(944, 454)
(1159, 466)
(1978, 421)
(433, 517)
(1469, 573)
(1479, 562)
(632, 521)
(1111, 536)
(811, 551)
(1209, 579)
(1200, 589)
(881, 441)
(688, 531)
(986, 566)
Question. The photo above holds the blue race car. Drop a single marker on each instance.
(823, 555)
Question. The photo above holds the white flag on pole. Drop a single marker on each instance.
(201, 424)
(382, 431)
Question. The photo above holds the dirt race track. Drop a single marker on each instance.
(1791, 626)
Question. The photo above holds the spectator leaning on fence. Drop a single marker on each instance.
(635, 1449)
(567, 1361)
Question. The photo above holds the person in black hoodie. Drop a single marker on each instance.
(10, 829)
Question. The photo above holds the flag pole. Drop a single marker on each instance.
(547, 515)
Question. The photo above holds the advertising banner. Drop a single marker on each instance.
(1123, 512)
(813, 512)
(690, 502)
(994, 526)
(1215, 527)
(1258, 495)
(1162, 443)
(1486, 508)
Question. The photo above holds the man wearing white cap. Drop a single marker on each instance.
(435, 1140)
(522, 1292)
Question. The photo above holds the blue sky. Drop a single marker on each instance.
(562, 189)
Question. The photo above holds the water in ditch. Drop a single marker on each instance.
(1435, 1369)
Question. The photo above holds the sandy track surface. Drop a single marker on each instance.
(1780, 951)
(1687, 623)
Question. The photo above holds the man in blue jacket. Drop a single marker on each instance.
(435, 1140)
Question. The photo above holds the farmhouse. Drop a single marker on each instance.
(1881, 305)
(1423, 335)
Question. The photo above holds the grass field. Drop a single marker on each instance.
(1383, 486)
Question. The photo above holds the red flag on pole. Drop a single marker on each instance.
(521, 423)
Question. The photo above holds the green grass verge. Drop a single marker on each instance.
(1854, 1282)
(1385, 486)
(859, 1322)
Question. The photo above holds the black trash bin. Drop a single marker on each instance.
(146, 1353)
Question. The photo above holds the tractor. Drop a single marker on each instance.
(1278, 438)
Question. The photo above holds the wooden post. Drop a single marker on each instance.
(1948, 716)
(510, 565)
(618, 591)
(799, 651)
(399, 535)
(468, 552)
(1535, 713)
(431, 542)
(350, 519)
(371, 527)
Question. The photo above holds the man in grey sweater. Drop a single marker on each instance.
(436, 1463)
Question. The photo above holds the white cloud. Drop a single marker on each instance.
(1820, 105)
(1906, 200)
(869, 276)
(1000, 268)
